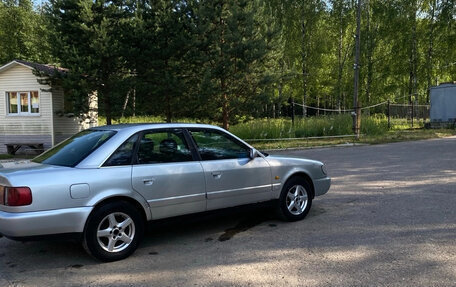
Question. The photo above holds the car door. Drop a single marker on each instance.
(232, 177)
(167, 174)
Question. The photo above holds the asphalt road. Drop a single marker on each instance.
(388, 220)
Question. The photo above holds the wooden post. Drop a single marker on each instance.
(304, 108)
(389, 114)
(292, 112)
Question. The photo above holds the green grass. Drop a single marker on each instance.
(5, 156)
(388, 137)
(408, 135)
(309, 127)
(282, 127)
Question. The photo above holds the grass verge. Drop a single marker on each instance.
(389, 137)
(5, 156)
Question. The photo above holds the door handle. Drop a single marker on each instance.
(216, 174)
(148, 181)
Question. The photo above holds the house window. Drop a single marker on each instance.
(23, 102)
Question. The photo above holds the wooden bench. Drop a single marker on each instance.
(12, 148)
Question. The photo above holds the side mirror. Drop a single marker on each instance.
(253, 153)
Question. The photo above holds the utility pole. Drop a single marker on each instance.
(356, 108)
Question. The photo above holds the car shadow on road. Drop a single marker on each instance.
(227, 222)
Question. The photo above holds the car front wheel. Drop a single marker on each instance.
(295, 199)
(113, 232)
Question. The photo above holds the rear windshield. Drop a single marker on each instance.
(73, 150)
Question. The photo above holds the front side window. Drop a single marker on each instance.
(163, 146)
(73, 150)
(23, 102)
(215, 145)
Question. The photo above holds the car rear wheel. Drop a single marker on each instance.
(295, 199)
(113, 232)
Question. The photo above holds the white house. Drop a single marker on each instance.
(31, 112)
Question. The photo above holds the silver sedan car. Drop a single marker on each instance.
(104, 184)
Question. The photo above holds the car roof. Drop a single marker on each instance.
(142, 126)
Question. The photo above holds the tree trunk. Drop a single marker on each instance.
(225, 101)
(357, 110)
(125, 103)
(339, 55)
(225, 113)
(168, 106)
(107, 104)
(413, 55)
(134, 101)
(370, 51)
(430, 52)
(167, 94)
(305, 71)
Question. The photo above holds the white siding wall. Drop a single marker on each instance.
(64, 126)
(36, 128)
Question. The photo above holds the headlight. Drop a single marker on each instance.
(323, 170)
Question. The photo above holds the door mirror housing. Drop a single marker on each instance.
(253, 153)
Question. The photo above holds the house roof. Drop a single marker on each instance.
(43, 68)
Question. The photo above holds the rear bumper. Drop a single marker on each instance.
(24, 224)
(321, 185)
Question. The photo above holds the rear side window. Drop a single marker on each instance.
(73, 150)
(163, 146)
(123, 155)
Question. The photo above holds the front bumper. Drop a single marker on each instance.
(321, 185)
(23, 224)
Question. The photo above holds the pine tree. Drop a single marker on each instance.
(231, 54)
(86, 41)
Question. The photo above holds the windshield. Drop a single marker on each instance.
(73, 150)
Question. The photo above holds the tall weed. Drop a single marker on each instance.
(283, 128)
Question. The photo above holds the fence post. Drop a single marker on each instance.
(389, 114)
(292, 113)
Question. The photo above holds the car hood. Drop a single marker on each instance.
(292, 160)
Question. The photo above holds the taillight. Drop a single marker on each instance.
(17, 196)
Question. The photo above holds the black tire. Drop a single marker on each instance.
(121, 229)
(288, 210)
